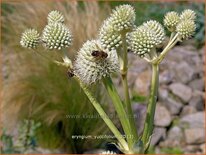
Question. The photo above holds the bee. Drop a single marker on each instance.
(99, 54)
(70, 73)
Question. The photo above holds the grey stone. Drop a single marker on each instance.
(196, 120)
(197, 102)
(191, 149)
(197, 84)
(142, 83)
(173, 105)
(184, 72)
(182, 91)
(162, 116)
(166, 77)
(194, 135)
(139, 111)
(162, 93)
(175, 138)
(187, 110)
(158, 134)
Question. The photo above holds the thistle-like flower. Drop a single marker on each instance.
(142, 40)
(109, 38)
(188, 15)
(93, 63)
(157, 28)
(56, 36)
(186, 29)
(30, 38)
(123, 18)
(55, 16)
(171, 20)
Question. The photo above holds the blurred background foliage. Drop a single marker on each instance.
(35, 88)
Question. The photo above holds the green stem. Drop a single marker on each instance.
(126, 89)
(148, 126)
(104, 116)
(119, 108)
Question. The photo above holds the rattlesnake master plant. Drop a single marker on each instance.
(93, 62)
(55, 16)
(30, 38)
(97, 59)
(56, 36)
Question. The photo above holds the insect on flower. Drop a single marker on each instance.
(99, 54)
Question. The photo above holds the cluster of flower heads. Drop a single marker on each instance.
(183, 24)
(108, 152)
(54, 36)
(144, 38)
(121, 20)
(93, 62)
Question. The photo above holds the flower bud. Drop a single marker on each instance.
(186, 29)
(188, 15)
(30, 38)
(142, 40)
(157, 28)
(123, 18)
(93, 63)
(56, 36)
(171, 20)
(55, 16)
(109, 38)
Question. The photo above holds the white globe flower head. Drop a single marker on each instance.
(171, 20)
(142, 40)
(94, 63)
(188, 15)
(186, 29)
(157, 28)
(123, 18)
(30, 39)
(56, 36)
(55, 16)
(109, 38)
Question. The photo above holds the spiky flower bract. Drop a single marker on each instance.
(171, 20)
(30, 38)
(123, 18)
(186, 29)
(89, 68)
(142, 40)
(109, 38)
(56, 36)
(55, 16)
(157, 28)
(188, 15)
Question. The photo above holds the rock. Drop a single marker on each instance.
(139, 111)
(194, 135)
(158, 134)
(197, 84)
(166, 77)
(191, 149)
(173, 105)
(174, 138)
(182, 91)
(162, 116)
(197, 102)
(131, 77)
(142, 83)
(162, 93)
(175, 133)
(187, 110)
(184, 72)
(195, 120)
(203, 148)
